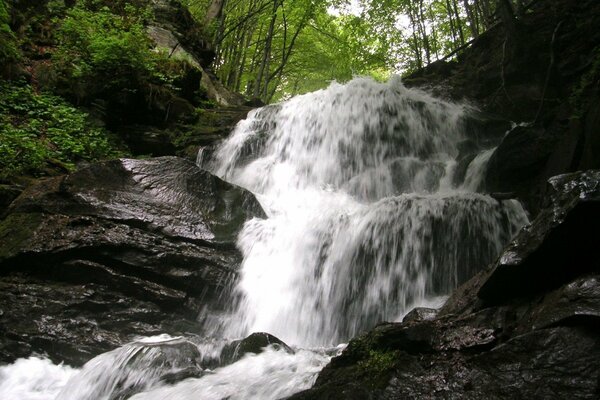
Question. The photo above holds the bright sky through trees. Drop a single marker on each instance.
(273, 49)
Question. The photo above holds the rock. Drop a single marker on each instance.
(558, 109)
(176, 31)
(212, 126)
(174, 23)
(558, 246)
(147, 140)
(7, 194)
(420, 314)
(525, 328)
(135, 367)
(152, 241)
(518, 162)
(255, 343)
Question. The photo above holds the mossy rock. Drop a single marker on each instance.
(16, 230)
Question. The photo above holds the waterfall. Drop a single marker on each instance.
(364, 220)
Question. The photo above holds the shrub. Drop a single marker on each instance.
(39, 128)
(101, 51)
(8, 48)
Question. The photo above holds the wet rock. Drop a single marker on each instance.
(7, 194)
(212, 126)
(142, 245)
(255, 343)
(527, 327)
(135, 367)
(147, 140)
(558, 246)
(520, 159)
(420, 314)
(558, 108)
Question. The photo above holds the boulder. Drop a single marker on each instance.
(134, 245)
(133, 368)
(559, 245)
(527, 327)
(255, 344)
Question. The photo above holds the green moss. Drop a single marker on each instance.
(379, 361)
(16, 231)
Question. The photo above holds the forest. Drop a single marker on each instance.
(299, 199)
(276, 49)
(96, 55)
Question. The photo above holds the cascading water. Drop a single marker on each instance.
(366, 219)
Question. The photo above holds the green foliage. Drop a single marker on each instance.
(8, 48)
(258, 52)
(99, 50)
(39, 128)
(379, 362)
(103, 49)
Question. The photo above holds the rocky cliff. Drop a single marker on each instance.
(546, 83)
(116, 250)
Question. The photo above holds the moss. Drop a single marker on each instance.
(379, 362)
(15, 231)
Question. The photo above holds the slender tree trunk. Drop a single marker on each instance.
(424, 35)
(453, 29)
(416, 48)
(471, 18)
(215, 9)
(459, 23)
(258, 85)
(507, 15)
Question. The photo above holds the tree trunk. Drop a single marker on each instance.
(471, 18)
(215, 9)
(267, 52)
(458, 23)
(507, 15)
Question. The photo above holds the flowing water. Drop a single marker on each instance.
(365, 220)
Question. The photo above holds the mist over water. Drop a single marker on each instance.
(366, 218)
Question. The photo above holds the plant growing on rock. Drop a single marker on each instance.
(41, 129)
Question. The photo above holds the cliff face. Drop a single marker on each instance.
(547, 81)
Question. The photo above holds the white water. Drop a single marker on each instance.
(364, 223)
(363, 220)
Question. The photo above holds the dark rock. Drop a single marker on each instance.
(503, 196)
(533, 333)
(420, 314)
(255, 343)
(525, 149)
(147, 140)
(151, 238)
(560, 106)
(212, 126)
(7, 194)
(558, 246)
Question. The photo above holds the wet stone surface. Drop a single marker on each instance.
(118, 249)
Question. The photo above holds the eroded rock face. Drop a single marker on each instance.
(117, 249)
(527, 327)
(556, 104)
